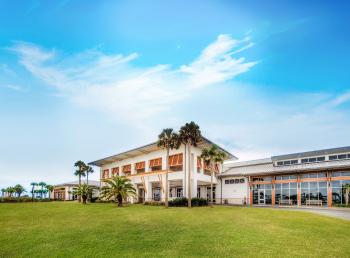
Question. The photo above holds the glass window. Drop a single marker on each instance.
(335, 184)
(322, 184)
(285, 177)
(278, 186)
(336, 195)
(287, 162)
(346, 173)
(278, 177)
(236, 181)
(319, 159)
(333, 157)
(304, 160)
(312, 159)
(348, 156)
(322, 174)
(294, 161)
(293, 177)
(313, 184)
(304, 175)
(304, 185)
(293, 185)
(268, 186)
(227, 182)
(342, 156)
(279, 163)
(336, 174)
(313, 175)
(232, 181)
(241, 180)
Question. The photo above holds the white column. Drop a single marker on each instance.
(149, 190)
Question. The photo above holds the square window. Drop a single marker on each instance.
(293, 185)
(227, 182)
(322, 175)
(232, 181)
(333, 157)
(236, 181)
(280, 163)
(241, 180)
(304, 160)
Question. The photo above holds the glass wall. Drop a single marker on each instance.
(314, 191)
(286, 194)
(339, 191)
(262, 194)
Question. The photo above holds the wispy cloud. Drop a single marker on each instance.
(113, 84)
(13, 87)
(343, 98)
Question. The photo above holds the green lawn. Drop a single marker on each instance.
(101, 230)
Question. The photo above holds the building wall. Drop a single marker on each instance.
(233, 193)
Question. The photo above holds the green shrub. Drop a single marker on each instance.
(183, 201)
(22, 199)
(199, 202)
(153, 203)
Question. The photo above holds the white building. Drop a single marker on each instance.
(145, 167)
(65, 191)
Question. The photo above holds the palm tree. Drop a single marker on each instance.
(117, 188)
(81, 169)
(83, 191)
(19, 189)
(167, 139)
(49, 188)
(3, 191)
(88, 171)
(190, 135)
(42, 185)
(212, 157)
(10, 190)
(33, 184)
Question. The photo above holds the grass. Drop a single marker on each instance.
(60, 229)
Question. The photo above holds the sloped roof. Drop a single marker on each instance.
(91, 183)
(148, 149)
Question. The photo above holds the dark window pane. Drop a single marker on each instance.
(349, 156)
(278, 177)
(285, 194)
(241, 180)
(278, 186)
(227, 181)
(322, 195)
(333, 157)
(268, 179)
(336, 195)
(304, 175)
(285, 177)
(232, 181)
(293, 177)
(287, 162)
(312, 159)
(313, 185)
(255, 197)
(280, 163)
(304, 160)
(285, 186)
(268, 186)
(304, 185)
(335, 184)
(294, 161)
(342, 156)
(236, 181)
(321, 159)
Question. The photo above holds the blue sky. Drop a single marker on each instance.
(87, 79)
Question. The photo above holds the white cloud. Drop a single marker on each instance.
(13, 87)
(113, 84)
(343, 98)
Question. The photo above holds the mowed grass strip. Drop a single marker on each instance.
(67, 229)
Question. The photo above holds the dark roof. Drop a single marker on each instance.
(311, 153)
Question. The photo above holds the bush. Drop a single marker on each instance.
(183, 201)
(342, 205)
(21, 199)
(153, 203)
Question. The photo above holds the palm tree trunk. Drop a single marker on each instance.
(189, 176)
(166, 179)
(211, 187)
(346, 197)
(87, 178)
(79, 197)
(185, 171)
(120, 200)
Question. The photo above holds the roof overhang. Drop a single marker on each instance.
(203, 143)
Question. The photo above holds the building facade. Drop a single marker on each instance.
(315, 178)
(64, 191)
(146, 167)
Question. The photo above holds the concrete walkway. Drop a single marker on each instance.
(342, 213)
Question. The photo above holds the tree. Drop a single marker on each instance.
(211, 157)
(3, 191)
(19, 189)
(117, 188)
(10, 191)
(81, 169)
(168, 139)
(83, 191)
(49, 188)
(190, 135)
(33, 184)
(347, 191)
(42, 185)
(88, 171)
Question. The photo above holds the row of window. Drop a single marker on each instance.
(234, 181)
(313, 159)
(302, 176)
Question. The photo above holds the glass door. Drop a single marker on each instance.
(261, 196)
